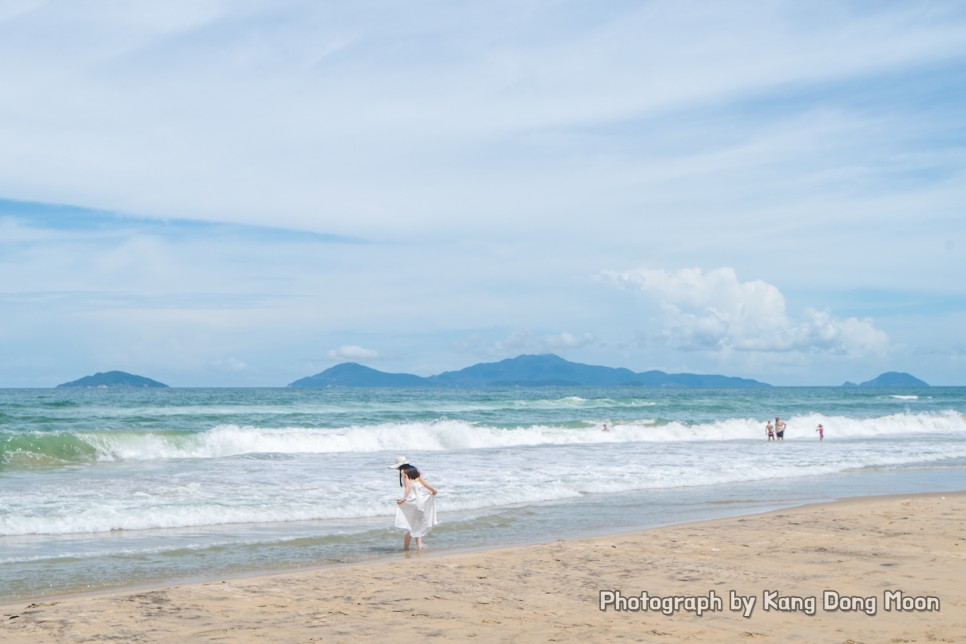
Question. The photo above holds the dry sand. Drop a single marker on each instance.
(871, 548)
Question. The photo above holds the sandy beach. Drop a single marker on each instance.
(882, 569)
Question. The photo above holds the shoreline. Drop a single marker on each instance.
(430, 551)
(855, 546)
(579, 518)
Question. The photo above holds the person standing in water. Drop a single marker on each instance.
(416, 510)
(821, 432)
(779, 428)
(770, 430)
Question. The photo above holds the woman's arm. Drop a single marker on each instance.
(405, 492)
(428, 486)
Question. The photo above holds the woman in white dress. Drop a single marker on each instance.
(416, 510)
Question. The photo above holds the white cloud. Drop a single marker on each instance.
(715, 311)
(526, 342)
(230, 364)
(269, 112)
(353, 352)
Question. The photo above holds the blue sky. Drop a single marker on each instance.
(215, 193)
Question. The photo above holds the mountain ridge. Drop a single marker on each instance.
(113, 380)
(524, 370)
(892, 379)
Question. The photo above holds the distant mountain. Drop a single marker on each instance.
(534, 371)
(894, 379)
(351, 374)
(113, 380)
(525, 370)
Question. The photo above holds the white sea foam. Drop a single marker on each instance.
(444, 435)
(313, 480)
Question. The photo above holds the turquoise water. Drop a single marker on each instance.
(110, 487)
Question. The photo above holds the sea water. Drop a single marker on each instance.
(102, 488)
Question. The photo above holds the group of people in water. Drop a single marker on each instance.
(777, 431)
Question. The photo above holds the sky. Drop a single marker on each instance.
(247, 192)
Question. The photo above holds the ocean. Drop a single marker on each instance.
(104, 488)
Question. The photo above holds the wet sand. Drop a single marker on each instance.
(900, 561)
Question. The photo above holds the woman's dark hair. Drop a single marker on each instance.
(411, 473)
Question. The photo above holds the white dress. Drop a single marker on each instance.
(417, 514)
